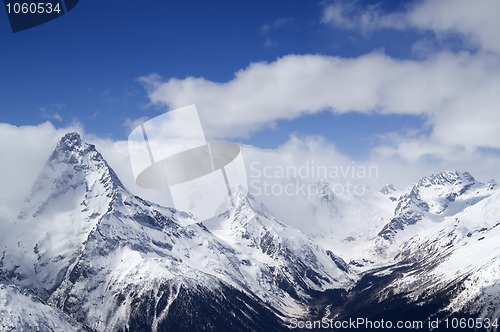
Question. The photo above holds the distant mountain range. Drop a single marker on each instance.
(85, 254)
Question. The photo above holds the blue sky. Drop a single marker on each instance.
(390, 75)
(84, 66)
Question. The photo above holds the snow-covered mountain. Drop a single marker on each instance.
(297, 264)
(90, 248)
(439, 255)
(23, 311)
(113, 261)
(445, 234)
(86, 254)
(430, 201)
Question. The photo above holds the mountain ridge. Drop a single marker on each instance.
(99, 256)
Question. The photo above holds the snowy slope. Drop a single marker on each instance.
(71, 194)
(298, 265)
(440, 251)
(438, 257)
(422, 210)
(465, 250)
(138, 253)
(22, 311)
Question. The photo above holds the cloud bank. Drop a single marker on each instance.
(458, 93)
(30, 147)
(455, 91)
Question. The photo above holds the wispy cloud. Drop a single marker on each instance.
(349, 15)
(476, 21)
(267, 29)
(276, 24)
(50, 115)
(131, 124)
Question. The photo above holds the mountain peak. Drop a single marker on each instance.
(72, 149)
(388, 189)
(74, 166)
(70, 139)
(241, 198)
(432, 197)
(446, 178)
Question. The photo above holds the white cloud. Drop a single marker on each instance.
(406, 159)
(30, 147)
(458, 93)
(25, 149)
(455, 92)
(403, 162)
(131, 124)
(348, 15)
(476, 21)
(465, 118)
